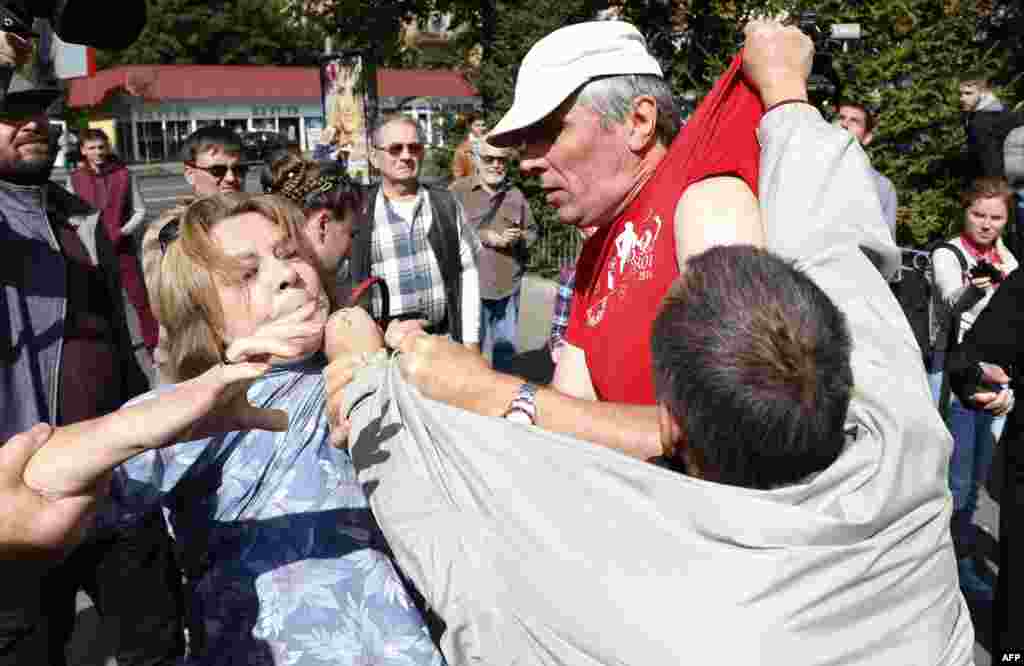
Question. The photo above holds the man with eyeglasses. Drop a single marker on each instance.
(213, 164)
(105, 182)
(416, 239)
(66, 357)
(501, 217)
(213, 158)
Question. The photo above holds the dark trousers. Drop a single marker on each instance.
(135, 586)
(1009, 589)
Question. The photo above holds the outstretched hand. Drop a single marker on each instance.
(211, 404)
(35, 527)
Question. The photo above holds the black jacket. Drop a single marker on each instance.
(997, 336)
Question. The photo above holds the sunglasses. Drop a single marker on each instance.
(218, 171)
(396, 149)
(492, 159)
(168, 234)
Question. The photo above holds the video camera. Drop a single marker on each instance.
(85, 22)
(78, 21)
(984, 269)
(824, 82)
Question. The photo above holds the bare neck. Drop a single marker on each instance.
(404, 189)
(644, 170)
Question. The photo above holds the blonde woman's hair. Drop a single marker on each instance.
(988, 187)
(184, 286)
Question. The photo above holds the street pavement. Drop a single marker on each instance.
(162, 191)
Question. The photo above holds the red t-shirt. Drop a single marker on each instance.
(625, 269)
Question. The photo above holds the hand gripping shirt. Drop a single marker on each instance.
(627, 267)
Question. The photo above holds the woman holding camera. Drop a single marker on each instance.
(968, 269)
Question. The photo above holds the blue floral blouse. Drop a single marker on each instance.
(287, 564)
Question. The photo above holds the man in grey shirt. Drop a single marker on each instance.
(858, 120)
(500, 214)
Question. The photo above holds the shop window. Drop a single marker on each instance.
(151, 140)
(237, 125)
(289, 127)
(206, 122)
(264, 124)
(176, 132)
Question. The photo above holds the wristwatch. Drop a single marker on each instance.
(523, 408)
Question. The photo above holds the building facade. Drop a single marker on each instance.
(152, 108)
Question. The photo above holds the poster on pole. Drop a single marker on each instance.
(348, 84)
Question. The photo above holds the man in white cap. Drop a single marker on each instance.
(596, 119)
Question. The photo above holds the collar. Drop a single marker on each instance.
(991, 254)
(478, 184)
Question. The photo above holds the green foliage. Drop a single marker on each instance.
(906, 67)
(221, 32)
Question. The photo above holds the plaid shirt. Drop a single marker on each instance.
(402, 256)
(563, 303)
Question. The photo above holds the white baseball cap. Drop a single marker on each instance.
(566, 59)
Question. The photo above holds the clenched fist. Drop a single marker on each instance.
(777, 60)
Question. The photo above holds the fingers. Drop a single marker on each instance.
(993, 374)
(15, 454)
(230, 373)
(351, 330)
(259, 349)
(259, 418)
(1001, 404)
(337, 376)
(399, 330)
(339, 434)
(984, 399)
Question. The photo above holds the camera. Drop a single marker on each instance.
(985, 269)
(78, 21)
(824, 82)
(85, 22)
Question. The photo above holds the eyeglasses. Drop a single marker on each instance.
(218, 171)
(396, 149)
(492, 159)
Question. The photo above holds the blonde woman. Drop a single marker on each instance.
(287, 563)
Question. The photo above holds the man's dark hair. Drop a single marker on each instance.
(752, 360)
(869, 116)
(212, 137)
(93, 134)
(977, 78)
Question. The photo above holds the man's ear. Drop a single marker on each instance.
(322, 219)
(672, 438)
(643, 123)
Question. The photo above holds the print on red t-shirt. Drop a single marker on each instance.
(626, 268)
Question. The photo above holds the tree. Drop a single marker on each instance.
(905, 67)
(221, 32)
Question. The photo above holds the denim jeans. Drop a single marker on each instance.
(499, 320)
